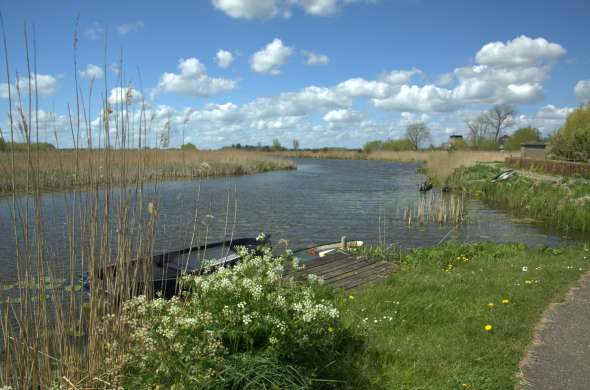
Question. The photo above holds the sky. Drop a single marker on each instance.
(323, 72)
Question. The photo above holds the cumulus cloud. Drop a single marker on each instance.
(126, 28)
(193, 80)
(315, 59)
(521, 51)
(224, 58)
(427, 98)
(127, 95)
(266, 9)
(248, 9)
(92, 72)
(43, 83)
(551, 112)
(398, 77)
(582, 89)
(271, 57)
(342, 115)
(360, 87)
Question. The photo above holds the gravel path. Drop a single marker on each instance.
(560, 356)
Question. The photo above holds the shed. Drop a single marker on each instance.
(533, 150)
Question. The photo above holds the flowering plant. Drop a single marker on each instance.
(239, 326)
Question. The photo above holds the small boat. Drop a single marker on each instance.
(505, 175)
(164, 270)
(325, 249)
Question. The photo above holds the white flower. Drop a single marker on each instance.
(261, 237)
(525, 268)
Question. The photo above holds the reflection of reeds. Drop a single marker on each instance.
(436, 208)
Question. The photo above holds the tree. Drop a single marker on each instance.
(572, 141)
(188, 146)
(478, 131)
(276, 145)
(397, 144)
(417, 133)
(499, 118)
(295, 144)
(372, 145)
(522, 135)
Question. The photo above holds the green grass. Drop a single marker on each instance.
(426, 324)
(563, 206)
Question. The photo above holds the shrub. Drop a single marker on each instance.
(240, 327)
(522, 135)
(188, 146)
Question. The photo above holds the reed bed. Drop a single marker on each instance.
(439, 164)
(436, 208)
(66, 170)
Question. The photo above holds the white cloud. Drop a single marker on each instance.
(248, 9)
(521, 51)
(43, 83)
(224, 58)
(271, 57)
(122, 95)
(315, 59)
(92, 72)
(551, 112)
(361, 87)
(427, 98)
(523, 93)
(193, 80)
(266, 9)
(95, 31)
(126, 28)
(342, 115)
(319, 7)
(398, 77)
(582, 89)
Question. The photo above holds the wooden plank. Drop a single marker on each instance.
(348, 269)
(336, 266)
(351, 283)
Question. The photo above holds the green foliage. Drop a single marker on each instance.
(188, 146)
(572, 141)
(276, 145)
(241, 327)
(426, 323)
(372, 146)
(398, 145)
(524, 134)
(564, 207)
(23, 147)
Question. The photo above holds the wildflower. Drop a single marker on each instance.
(261, 237)
(488, 328)
(505, 301)
(528, 282)
(351, 297)
(330, 330)
(465, 386)
(525, 268)
(491, 305)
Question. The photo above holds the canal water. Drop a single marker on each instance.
(319, 202)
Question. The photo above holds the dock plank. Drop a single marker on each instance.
(344, 271)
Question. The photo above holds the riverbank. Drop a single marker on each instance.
(68, 170)
(460, 316)
(438, 164)
(563, 205)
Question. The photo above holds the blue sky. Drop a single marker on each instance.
(325, 72)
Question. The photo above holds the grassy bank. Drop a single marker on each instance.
(437, 163)
(564, 206)
(428, 323)
(66, 170)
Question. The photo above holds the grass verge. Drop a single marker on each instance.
(564, 206)
(427, 324)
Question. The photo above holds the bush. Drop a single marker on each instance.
(188, 146)
(240, 327)
(572, 141)
(522, 135)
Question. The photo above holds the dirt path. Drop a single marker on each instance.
(559, 358)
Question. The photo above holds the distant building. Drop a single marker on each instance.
(533, 150)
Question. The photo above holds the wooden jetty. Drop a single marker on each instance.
(344, 271)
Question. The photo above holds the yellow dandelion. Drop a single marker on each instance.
(491, 305)
(527, 282)
(488, 328)
(465, 386)
(505, 301)
(351, 297)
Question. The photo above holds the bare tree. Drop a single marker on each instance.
(499, 118)
(295, 144)
(479, 129)
(417, 133)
